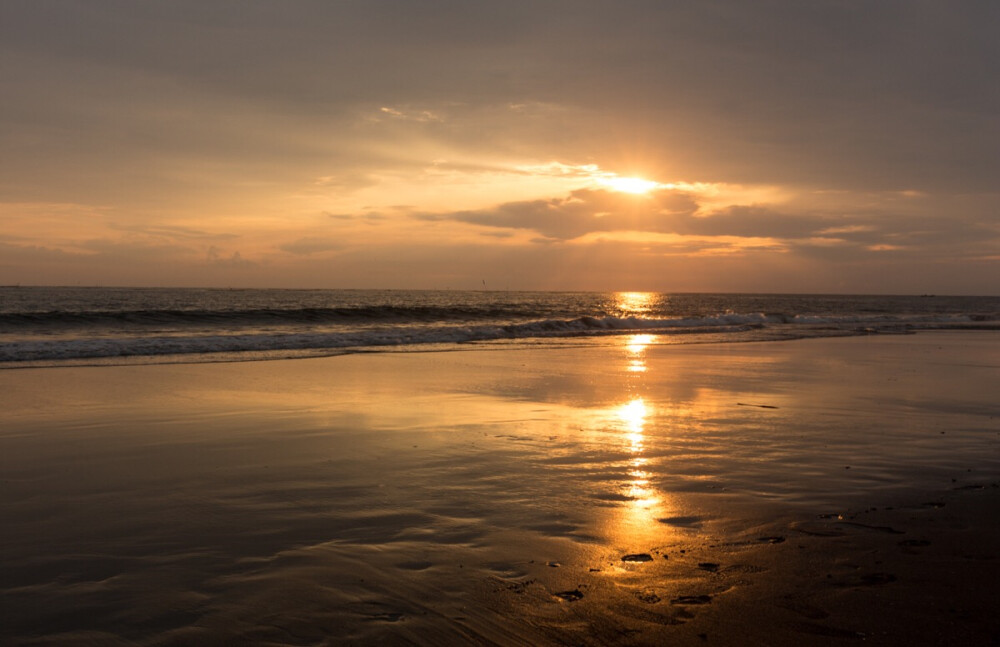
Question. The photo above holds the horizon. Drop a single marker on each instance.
(715, 148)
(488, 290)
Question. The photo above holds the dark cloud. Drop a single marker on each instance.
(818, 233)
(754, 221)
(672, 212)
(582, 212)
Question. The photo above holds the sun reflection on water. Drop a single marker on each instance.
(633, 304)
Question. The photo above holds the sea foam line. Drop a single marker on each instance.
(400, 335)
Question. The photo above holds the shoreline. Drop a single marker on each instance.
(825, 491)
(675, 338)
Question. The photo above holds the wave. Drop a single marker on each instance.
(13, 321)
(355, 339)
(99, 347)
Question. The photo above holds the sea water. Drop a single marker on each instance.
(73, 325)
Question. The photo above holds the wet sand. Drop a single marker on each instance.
(823, 491)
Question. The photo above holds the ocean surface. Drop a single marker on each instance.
(51, 326)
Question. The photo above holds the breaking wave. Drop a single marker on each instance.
(354, 339)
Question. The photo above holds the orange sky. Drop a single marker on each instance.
(725, 146)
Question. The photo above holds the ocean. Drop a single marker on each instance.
(52, 326)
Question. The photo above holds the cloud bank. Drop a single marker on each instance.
(451, 138)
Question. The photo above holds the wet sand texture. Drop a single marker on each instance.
(821, 492)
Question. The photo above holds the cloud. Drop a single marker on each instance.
(588, 211)
(894, 94)
(848, 234)
(346, 181)
(753, 221)
(406, 113)
(581, 212)
(136, 250)
(368, 217)
(311, 245)
(216, 257)
(171, 232)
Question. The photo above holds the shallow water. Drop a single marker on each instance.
(46, 326)
(415, 497)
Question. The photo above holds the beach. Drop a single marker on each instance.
(613, 490)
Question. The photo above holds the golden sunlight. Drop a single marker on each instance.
(635, 344)
(634, 185)
(633, 416)
(637, 365)
(634, 303)
(639, 515)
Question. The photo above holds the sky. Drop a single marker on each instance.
(718, 145)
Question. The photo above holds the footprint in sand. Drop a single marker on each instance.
(914, 543)
(648, 597)
(570, 596)
(804, 609)
(868, 579)
(874, 579)
(388, 617)
(864, 526)
(817, 529)
(816, 629)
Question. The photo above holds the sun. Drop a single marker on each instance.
(634, 185)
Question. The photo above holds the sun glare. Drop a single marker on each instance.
(634, 185)
(632, 304)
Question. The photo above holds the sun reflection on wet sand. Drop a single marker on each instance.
(636, 346)
(637, 518)
(635, 522)
(633, 418)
